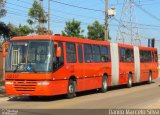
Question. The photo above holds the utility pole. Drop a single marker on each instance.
(42, 19)
(49, 31)
(106, 21)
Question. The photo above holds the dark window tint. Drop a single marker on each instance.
(71, 52)
(122, 54)
(155, 56)
(145, 56)
(87, 53)
(96, 53)
(105, 54)
(80, 55)
(126, 55)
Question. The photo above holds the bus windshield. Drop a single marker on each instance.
(29, 56)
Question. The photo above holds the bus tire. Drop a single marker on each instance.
(104, 84)
(71, 89)
(34, 97)
(150, 78)
(129, 85)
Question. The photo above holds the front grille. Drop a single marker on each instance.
(25, 85)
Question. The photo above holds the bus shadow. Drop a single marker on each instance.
(119, 87)
(79, 94)
(50, 98)
(38, 99)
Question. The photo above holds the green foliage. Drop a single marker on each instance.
(37, 17)
(2, 10)
(73, 29)
(19, 31)
(4, 31)
(96, 31)
(10, 30)
(24, 30)
(13, 30)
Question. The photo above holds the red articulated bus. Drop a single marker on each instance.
(52, 65)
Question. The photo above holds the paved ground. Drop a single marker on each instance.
(141, 96)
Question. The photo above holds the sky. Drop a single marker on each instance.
(145, 15)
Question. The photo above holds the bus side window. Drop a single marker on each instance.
(96, 53)
(122, 55)
(155, 56)
(105, 54)
(149, 53)
(145, 56)
(132, 56)
(142, 56)
(129, 55)
(80, 54)
(126, 55)
(71, 52)
(88, 53)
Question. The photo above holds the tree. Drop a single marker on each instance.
(37, 18)
(4, 33)
(2, 10)
(10, 30)
(21, 30)
(96, 31)
(24, 30)
(73, 29)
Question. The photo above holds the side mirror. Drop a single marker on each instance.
(58, 52)
(4, 46)
(3, 52)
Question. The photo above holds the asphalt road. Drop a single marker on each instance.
(140, 96)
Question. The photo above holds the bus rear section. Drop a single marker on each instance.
(148, 64)
(132, 64)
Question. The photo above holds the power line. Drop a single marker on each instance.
(75, 6)
(56, 16)
(150, 14)
(64, 12)
(61, 21)
(51, 14)
(130, 29)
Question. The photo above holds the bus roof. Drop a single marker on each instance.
(73, 39)
(59, 38)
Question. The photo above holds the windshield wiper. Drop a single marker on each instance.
(17, 67)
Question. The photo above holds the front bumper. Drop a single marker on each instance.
(36, 88)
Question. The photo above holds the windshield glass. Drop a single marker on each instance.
(29, 56)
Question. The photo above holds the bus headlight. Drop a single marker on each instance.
(9, 83)
(43, 83)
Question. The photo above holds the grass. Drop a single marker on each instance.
(1, 83)
(1, 91)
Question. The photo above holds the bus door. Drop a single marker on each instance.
(126, 64)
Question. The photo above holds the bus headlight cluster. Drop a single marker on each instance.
(43, 83)
(9, 82)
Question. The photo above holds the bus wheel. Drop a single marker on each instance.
(71, 89)
(104, 84)
(150, 78)
(129, 85)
